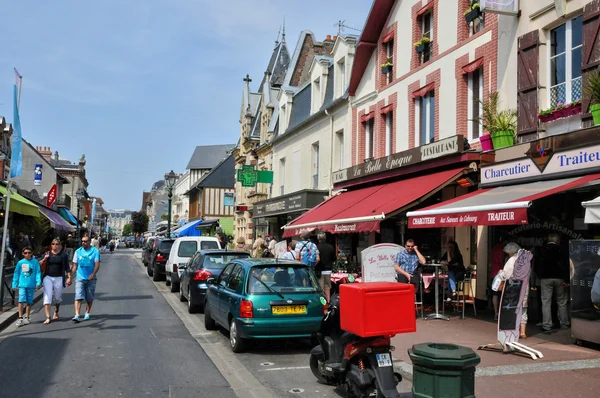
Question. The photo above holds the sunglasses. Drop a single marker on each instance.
(26, 253)
(85, 241)
(409, 247)
(55, 244)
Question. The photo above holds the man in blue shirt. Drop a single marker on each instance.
(86, 263)
(407, 262)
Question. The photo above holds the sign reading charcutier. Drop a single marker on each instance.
(445, 147)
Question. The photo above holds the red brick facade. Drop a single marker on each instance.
(417, 30)
(382, 79)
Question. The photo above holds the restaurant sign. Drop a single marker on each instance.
(298, 201)
(445, 147)
(378, 262)
(471, 218)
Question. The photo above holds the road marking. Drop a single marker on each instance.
(287, 368)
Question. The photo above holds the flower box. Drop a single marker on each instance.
(386, 69)
(572, 110)
(421, 47)
(473, 14)
(546, 118)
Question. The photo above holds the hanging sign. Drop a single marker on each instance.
(51, 198)
(228, 199)
(37, 175)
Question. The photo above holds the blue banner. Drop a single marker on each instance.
(37, 175)
(16, 161)
(228, 199)
(93, 211)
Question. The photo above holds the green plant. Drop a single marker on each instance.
(473, 4)
(592, 87)
(424, 40)
(506, 120)
(388, 62)
(493, 120)
(546, 112)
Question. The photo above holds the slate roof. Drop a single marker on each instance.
(158, 185)
(255, 128)
(278, 64)
(222, 176)
(301, 106)
(208, 156)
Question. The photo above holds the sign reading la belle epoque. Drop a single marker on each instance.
(445, 147)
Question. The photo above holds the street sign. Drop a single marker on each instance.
(249, 176)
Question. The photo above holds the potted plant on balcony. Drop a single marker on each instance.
(488, 116)
(473, 11)
(592, 88)
(387, 66)
(422, 44)
(546, 115)
(505, 125)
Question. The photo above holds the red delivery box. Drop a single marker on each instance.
(378, 308)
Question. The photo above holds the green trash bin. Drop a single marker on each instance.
(443, 370)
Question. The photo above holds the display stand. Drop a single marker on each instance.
(511, 305)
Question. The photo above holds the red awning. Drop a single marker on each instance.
(363, 209)
(367, 117)
(424, 90)
(387, 109)
(425, 9)
(470, 68)
(505, 205)
(388, 37)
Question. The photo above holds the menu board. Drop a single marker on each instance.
(585, 265)
(378, 262)
(510, 302)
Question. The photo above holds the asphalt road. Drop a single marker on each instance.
(134, 346)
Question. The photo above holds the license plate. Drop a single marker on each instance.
(288, 309)
(384, 360)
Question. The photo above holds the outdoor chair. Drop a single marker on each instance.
(464, 293)
(419, 297)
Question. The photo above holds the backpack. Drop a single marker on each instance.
(309, 257)
(596, 290)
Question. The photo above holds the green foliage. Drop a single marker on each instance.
(139, 222)
(592, 87)
(127, 229)
(492, 120)
(424, 40)
(165, 217)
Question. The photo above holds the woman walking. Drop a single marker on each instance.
(55, 264)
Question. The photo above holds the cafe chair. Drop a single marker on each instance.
(419, 297)
(464, 293)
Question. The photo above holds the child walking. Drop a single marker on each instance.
(27, 277)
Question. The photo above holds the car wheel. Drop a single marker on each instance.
(192, 306)
(181, 296)
(237, 343)
(209, 322)
(174, 285)
(155, 275)
(149, 270)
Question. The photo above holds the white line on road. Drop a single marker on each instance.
(288, 368)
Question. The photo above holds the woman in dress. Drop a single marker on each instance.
(55, 265)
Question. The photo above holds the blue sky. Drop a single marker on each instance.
(137, 84)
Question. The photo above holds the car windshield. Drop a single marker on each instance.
(187, 248)
(208, 244)
(220, 260)
(165, 245)
(284, 279)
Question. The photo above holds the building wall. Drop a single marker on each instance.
(181, 202)
(213, 202)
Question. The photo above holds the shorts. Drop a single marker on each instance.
(84, 290)
(325, 281)
(26, 295)
(53, 287)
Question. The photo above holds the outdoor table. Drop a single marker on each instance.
(429, 278)
(437, 314)
(342, 277)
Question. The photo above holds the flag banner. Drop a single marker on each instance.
(51, 198)
(93, 211)
(16, 161)
(37, 175)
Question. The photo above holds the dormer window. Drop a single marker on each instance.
(341, 73)
(316, 95)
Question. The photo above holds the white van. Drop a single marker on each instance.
(182, 250)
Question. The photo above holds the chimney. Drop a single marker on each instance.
(45, 152)
(56, 156)
(328, 38)
(334, 38)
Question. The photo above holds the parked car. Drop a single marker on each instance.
(204, 264)
(264, 298)
(147, 249)
(181, 252)
(129, 241)
(158, 258)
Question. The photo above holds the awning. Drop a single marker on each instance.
(67, 215)
(188, 229)
(592, 211)
(56, 221)
(505, 205)
(363, 209)
(20, 204)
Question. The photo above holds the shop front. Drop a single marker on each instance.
(373, 198)
(530, 191)
(270, 215)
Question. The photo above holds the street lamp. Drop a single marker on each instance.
(80, 195)
(170, 182)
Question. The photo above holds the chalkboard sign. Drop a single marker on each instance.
(507, 319)
(513, 294)
(585, 263)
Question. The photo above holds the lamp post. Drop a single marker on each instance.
(170, 182)
(80, 195)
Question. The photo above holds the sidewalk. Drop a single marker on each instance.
(10, 313)
(566, 369)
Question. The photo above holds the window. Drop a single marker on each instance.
(565, 62)
(389, 133)
(315, 165)
(208, 244)
(219, 261)
(282, 175)
(282, 120)
(425, 109)
(340, 143)
(224, 277)
(477, 25)
(389, 52)
(187, 248)
(342, 78)
(236, 278)
(316, 93)
(293, 279)
(369, 126)
(475, 110)
(427, 24)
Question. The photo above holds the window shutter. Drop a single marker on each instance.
(527, 84)
(590, 57)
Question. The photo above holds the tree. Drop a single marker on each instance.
(139, 222)
(165, 217)
(127, 229)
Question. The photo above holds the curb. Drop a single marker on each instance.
(8, 317)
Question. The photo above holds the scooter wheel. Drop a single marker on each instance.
(316, 368)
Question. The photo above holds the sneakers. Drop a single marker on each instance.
(19, 322)
(86, 317)
(26, 321)
(76, 319)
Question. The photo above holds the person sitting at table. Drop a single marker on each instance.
(456, 267)
(407, 263)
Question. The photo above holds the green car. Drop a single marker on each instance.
(264, 299)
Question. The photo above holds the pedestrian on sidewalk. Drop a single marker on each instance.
(86, 263)
(326, 259)
(553, 270)
(27, 277)
(20, 244)
(55, 265)
(96, 242)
